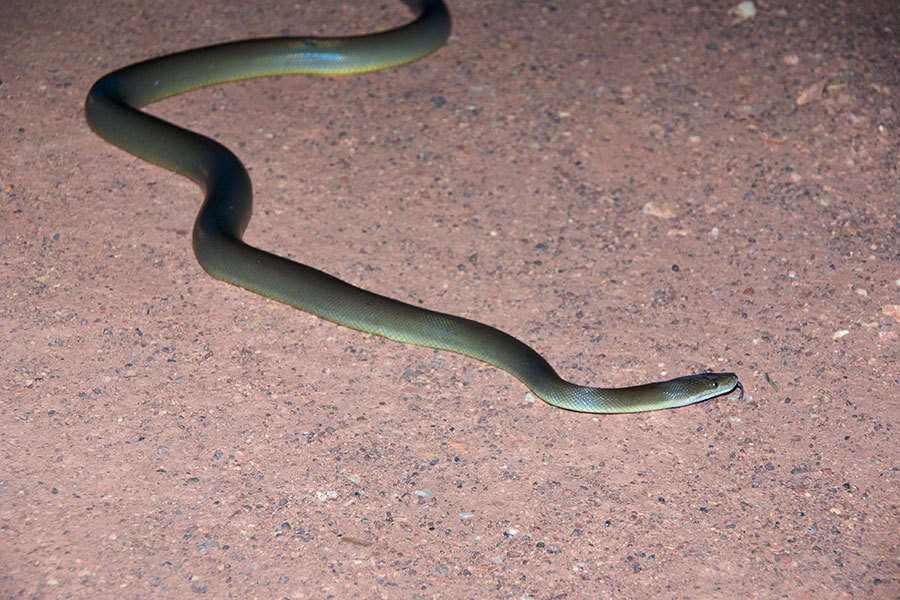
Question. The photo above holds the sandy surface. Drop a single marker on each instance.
(640, 190)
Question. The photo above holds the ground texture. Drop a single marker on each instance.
(640, 190)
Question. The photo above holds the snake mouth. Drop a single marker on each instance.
(740, 388)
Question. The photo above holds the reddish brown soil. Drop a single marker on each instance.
(640, 190)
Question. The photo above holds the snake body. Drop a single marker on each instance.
(112, 111)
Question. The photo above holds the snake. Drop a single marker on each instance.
(113, 111)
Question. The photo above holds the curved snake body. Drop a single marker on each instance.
(112, 111)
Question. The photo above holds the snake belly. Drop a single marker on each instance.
(112, 110)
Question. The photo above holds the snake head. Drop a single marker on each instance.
(703, 386)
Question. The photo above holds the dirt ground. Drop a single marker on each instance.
(640, 190)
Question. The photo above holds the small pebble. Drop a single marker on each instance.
(744, 10)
